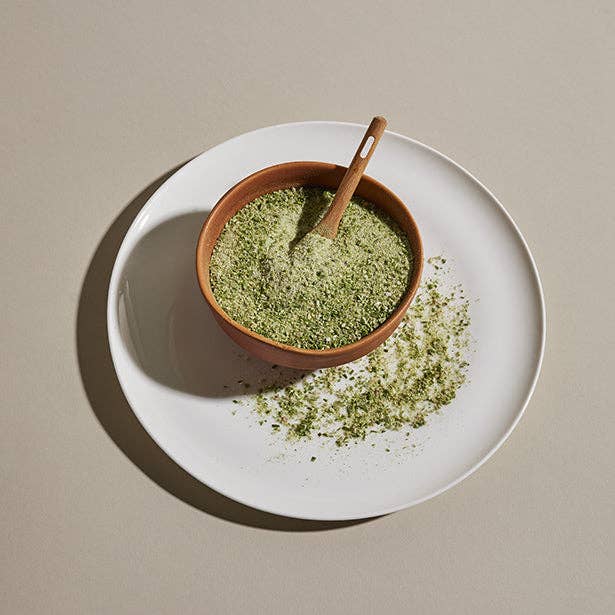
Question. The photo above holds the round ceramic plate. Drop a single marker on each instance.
(181, 374)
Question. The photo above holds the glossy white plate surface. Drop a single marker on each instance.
(173, 362)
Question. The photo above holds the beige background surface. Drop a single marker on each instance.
(99, 100)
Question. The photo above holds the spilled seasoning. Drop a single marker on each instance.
(415, 373)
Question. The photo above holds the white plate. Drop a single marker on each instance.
(172, 361)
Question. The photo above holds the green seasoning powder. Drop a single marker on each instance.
(306, 290)
(416, 372)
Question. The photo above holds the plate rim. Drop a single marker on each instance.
(113, 328)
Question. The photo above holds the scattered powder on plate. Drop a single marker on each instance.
(416, 372)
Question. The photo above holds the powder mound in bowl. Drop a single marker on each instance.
(305, 290)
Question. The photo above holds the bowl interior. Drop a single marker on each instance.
(295, 174)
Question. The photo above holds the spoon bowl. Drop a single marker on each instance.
(295, 174)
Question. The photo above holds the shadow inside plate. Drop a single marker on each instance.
(170, 330)
(176, 341)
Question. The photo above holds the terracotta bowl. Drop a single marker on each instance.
(287, 175)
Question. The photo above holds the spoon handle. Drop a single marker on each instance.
(328, 226)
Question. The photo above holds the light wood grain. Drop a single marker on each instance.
(330, 222)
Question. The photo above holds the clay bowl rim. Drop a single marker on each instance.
(203, 261)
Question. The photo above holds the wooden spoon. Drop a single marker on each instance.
(329, 224)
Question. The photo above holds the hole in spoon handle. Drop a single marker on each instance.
(372, 136)
(367, 147)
